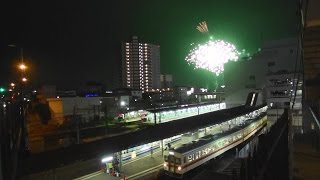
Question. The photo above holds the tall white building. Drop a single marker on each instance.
(140, 65)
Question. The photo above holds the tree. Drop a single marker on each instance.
(43, 112)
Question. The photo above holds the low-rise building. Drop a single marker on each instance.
(135, 94)
(64, 108)
(166, 81)
(180, 93)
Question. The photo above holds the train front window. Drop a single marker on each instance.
(178, 161)
(171, 159)
(165, 158)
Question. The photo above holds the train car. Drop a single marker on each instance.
(189, 156)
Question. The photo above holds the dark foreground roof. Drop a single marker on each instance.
(209, 138)
(97, 149)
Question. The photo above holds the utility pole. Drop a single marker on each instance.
(77, 121)
(120, 161)
(154, 113)
(94, 111)
(162, 147)
(106, 117)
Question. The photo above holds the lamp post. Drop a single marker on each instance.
(123, 105)
(22, 67)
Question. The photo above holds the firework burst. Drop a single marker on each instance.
(212, 55)
(202, 27)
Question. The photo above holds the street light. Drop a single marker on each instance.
(122, 105)
(22, 66)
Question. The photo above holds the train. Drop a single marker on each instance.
(188, 156)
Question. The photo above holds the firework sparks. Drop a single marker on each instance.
(212, 55)
(202, 27)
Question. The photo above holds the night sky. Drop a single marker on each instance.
(68, 43)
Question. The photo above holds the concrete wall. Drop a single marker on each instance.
(61, 107)
(241, 78)
(245, 76)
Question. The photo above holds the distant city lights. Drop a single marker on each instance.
(91, 95)
(2, 90)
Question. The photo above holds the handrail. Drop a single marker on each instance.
(314, 117)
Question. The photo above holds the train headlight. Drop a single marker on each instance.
(179, 168)
(165, 164)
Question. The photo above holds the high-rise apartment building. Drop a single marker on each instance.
(140, 65)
